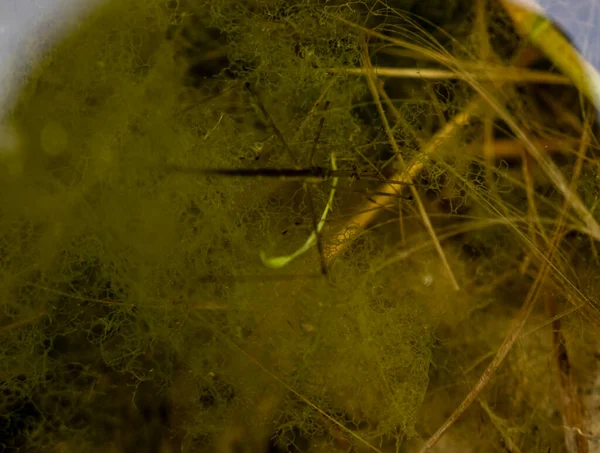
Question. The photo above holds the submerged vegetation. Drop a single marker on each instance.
(449, 302)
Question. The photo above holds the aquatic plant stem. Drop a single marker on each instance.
(355, 227)
(425, 217)
(492, 73)
(402, 180)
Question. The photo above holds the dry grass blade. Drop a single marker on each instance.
(496, 74)
(486, 54)
(534, 225)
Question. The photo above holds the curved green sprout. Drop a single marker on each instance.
(278, 262)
